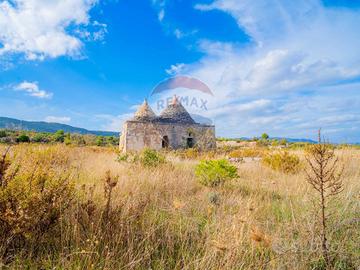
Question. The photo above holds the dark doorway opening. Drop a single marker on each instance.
(165, 142)
(190, 142)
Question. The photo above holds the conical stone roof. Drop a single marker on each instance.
(176, 112)
(144, 113)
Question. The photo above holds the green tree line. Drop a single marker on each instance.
(21, 136)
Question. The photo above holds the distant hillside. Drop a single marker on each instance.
(292, 140)
(295, 140)
(15, 124)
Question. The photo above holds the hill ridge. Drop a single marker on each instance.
(42, 126)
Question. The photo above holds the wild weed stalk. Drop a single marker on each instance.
(4, 164)
(324, 175)
(110, 184)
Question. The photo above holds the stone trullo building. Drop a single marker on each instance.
(173, 128)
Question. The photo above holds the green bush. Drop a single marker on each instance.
(59, 136)
(112, 140)
(23, 138)
(212, 173)
(67, 141)
(151, 158)
(3, 134)
(265, 136)
(283, 162)
(100, 141)
(77, 139)
(40, 138)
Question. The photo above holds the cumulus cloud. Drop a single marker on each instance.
(42, 29)
(294, 44)
(267, 20)
(32, 89)
(299, 59)
(58, 119)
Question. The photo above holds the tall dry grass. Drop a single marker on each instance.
(162, 218)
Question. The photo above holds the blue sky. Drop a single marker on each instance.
(282, 67)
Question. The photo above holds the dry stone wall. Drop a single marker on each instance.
(138, 135)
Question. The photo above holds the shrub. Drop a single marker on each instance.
(300, 145)
(3, 134)
(112, 140)
(77, 139)
(59, 136)
(7, 140)
(212, 173)
(40, 138)
(67, 141)
(23, 138)
(214, 198)
(151, 158)
(33, 195)
(100, 141)
(283, 141)
(265, 136)
(282, 161)
(275, 142)
(262, 143)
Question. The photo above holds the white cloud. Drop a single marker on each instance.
(92, 32)
(161, 15)
(175, 69)
(178, 33)
(32, 89)
(295, 44)
(58, 119)
(41, 29)
(268, 19)
(299, 57)
(160, 6)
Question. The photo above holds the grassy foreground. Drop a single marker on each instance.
(64, 207)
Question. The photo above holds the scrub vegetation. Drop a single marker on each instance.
(90, 207)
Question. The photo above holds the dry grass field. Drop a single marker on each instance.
(64, 207)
